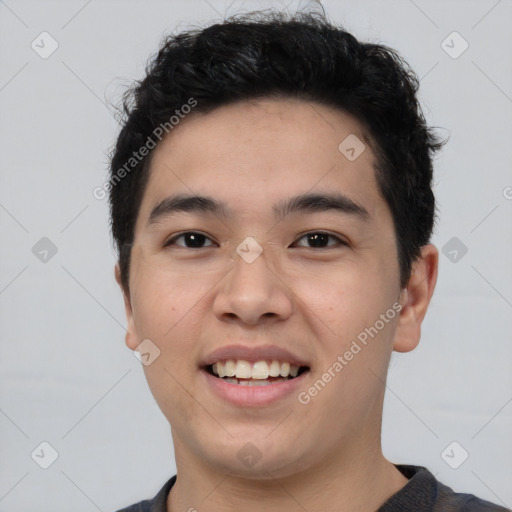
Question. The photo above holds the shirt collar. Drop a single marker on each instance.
(421, 485)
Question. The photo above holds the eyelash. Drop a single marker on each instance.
(172, 240)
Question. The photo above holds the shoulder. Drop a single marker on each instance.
(449, 500)
(142, 506)
(156, 504)
(424, 493)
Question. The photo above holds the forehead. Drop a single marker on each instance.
(252, 155)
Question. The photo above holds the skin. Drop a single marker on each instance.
(325, 455)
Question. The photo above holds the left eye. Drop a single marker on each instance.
(319, 239)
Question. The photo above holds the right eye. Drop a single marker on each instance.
(193, 240)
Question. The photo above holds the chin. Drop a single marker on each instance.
(259, 460)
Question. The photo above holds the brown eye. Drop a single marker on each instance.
(319, 240)
(192, 240)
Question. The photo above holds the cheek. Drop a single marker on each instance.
(168, 310)
(344, 311)
(345, 299)
(165, 302)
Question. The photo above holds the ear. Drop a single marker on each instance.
(415, 299)
(131, 338)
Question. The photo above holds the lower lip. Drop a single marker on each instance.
(253, 396)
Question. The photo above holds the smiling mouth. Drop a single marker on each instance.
(260, 373)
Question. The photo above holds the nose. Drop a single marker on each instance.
(253, 293)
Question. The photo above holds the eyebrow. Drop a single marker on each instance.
(304, 203)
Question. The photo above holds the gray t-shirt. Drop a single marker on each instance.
(422, 493)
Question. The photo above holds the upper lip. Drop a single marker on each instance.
(253, 354)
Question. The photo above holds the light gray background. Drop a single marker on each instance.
(67, 377)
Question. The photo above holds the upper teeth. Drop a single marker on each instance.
(242, 369)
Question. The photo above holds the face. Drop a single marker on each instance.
(240, 277)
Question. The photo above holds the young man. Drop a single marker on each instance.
(271, 204)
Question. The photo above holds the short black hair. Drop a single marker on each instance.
(270, 54)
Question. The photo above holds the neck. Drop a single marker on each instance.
(344, 484)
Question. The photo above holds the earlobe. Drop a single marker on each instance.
(416, 298)
(131, 335)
